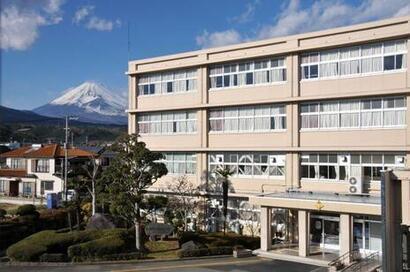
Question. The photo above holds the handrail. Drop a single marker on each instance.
(353, 254)
(365, 262)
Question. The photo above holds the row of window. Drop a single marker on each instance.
(28, 187)
(365, 59)
(316, 166)
(247, 73)
(167, 123)
(365, 113)
(241, 119)
(347, 61)
(168, 82)
(339, 167)
(384, 112)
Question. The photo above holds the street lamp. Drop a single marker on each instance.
(68, 117)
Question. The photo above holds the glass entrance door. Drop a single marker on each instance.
(324, 231)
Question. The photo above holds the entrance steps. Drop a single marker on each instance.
(290, 258)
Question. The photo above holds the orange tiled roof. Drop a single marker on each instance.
(47, 151)
(13, 173)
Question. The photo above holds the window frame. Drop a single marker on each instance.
(358, 58)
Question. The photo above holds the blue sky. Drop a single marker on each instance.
(48, 46)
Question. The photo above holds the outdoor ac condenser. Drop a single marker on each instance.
(356, 180)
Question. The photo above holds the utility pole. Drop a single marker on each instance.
(66, 154)
(65, 158)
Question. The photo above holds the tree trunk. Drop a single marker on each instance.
(225, 201)
(93, 197)
(137, 228)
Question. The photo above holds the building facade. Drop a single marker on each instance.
(37, 170)
(305, 122)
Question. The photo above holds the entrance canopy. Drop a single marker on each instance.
(320, 201)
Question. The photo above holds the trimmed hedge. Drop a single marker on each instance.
(219, 239)
(32, 247)
(108, 245)
(53, 257)
(27, 209)
(3, 213)
(227, 250)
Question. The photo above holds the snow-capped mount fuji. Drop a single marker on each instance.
(91, 102)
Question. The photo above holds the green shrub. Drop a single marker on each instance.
(53, 257)
(96, 248)
(26, 209)
(52, 242)
(3, 213)
(204, 252)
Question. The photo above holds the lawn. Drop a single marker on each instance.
(162, 249)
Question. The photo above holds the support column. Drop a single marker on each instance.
(266, 228)
(304, 233)
(346, 235)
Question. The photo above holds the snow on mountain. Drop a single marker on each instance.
(90, 101)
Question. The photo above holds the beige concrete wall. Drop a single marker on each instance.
(291, 93)
(353, 85)
(370, 139)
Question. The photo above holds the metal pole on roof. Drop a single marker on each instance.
(65, 158)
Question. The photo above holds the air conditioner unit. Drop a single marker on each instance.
(400, 160)
(219, 158)
(344, 159)
(356, 185)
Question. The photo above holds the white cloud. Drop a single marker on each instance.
(82, 13)
(216, 39)
(21, 21)
(247, 15)
(293, 18)
(85, 15)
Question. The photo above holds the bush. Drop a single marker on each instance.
(27, 209)
(96, 248)
(3, 213)
(53, 257)
(205, 252)
(32, 247)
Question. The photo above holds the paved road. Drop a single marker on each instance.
(203, 265)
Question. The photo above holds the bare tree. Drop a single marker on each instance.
(93, 170)
(185, 197)
(249, 217)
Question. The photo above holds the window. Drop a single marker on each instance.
(178, 122)
(249, 164)
(248, 73)
(168, 82)
(17, 163)
(28, 188)
(338, 167)
(40, 166)
(47, 185)
(247, 119)
(345, 114)
(180, 163)
(365, 59)
(3, 186)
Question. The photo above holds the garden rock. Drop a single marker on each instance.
(100, 221)
(191, 245)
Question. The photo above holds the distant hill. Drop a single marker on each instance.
(92, 102)
(8, 115)
(27, 126)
